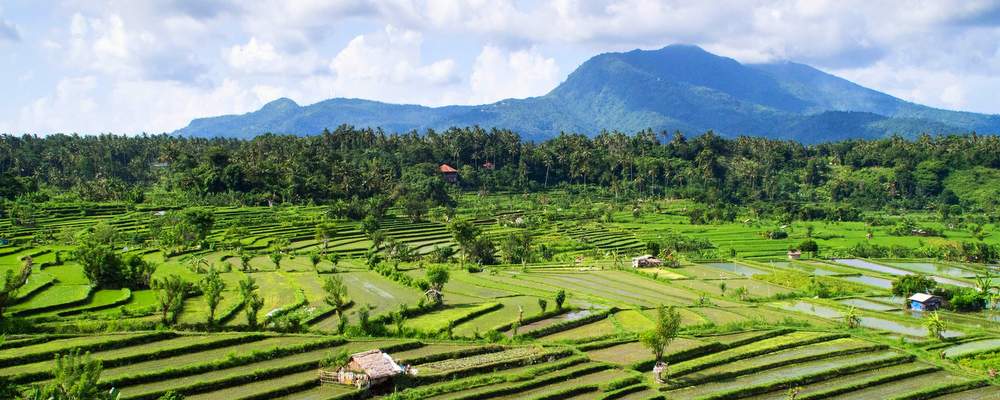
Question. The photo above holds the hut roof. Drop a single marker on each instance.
(922, 297)
(376, 364)
(447, 169)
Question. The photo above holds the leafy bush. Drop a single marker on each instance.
(967, 299)
(907, 285)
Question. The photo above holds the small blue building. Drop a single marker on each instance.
(925, 302)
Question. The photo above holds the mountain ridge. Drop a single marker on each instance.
(677, 87)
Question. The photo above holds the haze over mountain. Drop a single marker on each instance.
(678, 87)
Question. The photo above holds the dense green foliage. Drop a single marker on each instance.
(346, 167)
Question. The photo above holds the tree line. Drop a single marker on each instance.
(350, 163)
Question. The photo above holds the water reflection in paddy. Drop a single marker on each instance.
(870, 280)
(866, 321)
(929, 268)
(735, 268)
(872, 266)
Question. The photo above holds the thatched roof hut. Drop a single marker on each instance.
(365, 369)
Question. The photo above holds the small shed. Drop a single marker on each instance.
(365, 369)
(794, 254)
(646, 261)
(925, 302)
(449, 174)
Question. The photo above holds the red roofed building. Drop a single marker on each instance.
(450, 174)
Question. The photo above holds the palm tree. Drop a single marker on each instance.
(984, 283)
(935, 325)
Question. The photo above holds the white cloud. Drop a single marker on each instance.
(129, 66)
(130, 107)
(388, 65)
(46, 114)
(109, 46)
(500, 75)
(262, 57)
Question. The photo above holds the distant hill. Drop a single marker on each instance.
(678, 87)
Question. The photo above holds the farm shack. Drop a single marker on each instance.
(925, 302)
(794, 254)
(364, 369)
(646, 261)
(449, 174)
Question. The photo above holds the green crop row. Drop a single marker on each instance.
(535, 383)
(475, 314)
(680, 356)
(941, 389)
(561, 326)
(490, 379)
(236, 380)
(747, 371)
(568, 392)
(781, 343)
(140, 357)
(452, 354)
(516, 362)
(97, 346)
(622, 392)
(860, 384)
(194, 369)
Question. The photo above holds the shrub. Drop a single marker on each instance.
(907, 285)
(967, 299)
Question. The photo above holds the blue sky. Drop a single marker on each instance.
(136, 66)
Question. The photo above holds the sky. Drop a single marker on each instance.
(127, 67)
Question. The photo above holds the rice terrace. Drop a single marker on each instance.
(530, 200)
(567, 292)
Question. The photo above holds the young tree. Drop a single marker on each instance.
(201, 221)
(560, 299)
(334, 259)
(722, 288)
(314, 258)
(101, 263)
(137, 272)
(336, 293)
(741, 293)
(437, 277)
(399, 319)
(276, 257)
(325, 232)
(252, 305)
(12, 282)
(668, 323)
(851, 318)
(516, 247)
(809, 246)
(245, 261)
(464, 233)
(170, 292)
(211, 287)
(543, 304)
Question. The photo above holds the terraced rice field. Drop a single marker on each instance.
(757, 346)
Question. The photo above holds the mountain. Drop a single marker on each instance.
(678, 87)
